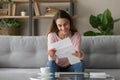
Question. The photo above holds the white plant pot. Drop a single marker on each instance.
(23, 13)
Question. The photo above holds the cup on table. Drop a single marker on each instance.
(45, 70)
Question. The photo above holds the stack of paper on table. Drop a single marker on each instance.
(64, 48)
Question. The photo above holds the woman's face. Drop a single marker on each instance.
(63, 25)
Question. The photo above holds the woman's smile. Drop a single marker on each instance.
(63, 25)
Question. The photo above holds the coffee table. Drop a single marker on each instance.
(79, 76)
(71, 76)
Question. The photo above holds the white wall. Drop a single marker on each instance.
(87, 7)
(84, 8)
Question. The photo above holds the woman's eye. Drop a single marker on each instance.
(65, 24)
(59, 25)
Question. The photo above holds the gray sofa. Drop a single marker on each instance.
(22, 56)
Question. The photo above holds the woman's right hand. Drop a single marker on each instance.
(51, 52)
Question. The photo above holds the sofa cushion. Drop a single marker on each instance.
(23, 51)
(101, 51)
(31, 51)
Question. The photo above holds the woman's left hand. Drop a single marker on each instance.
(78, 54)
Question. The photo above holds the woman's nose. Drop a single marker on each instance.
(63, 27)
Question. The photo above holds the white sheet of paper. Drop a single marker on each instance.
(72, 59)
(65, 49)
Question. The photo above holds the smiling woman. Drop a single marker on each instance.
(62, 27)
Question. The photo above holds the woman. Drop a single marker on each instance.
(62, 27)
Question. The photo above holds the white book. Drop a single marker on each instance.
(98, 75)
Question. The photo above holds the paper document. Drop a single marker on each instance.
(73, 59)
(65, 49)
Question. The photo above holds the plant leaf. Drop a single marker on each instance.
(93, 21)
(103, 22)
(89, 33)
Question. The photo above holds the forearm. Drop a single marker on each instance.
(79, 54)
(51, 52)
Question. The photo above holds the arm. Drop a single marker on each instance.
(51, 51)
(79, 54)
(77, 46)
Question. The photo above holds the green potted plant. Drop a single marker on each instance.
(103, 22)
(4, 7)
(10, 26)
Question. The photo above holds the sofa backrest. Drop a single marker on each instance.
(31, 51)
(23, 51)
(101, 51)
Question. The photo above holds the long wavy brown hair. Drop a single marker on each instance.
(61, 14)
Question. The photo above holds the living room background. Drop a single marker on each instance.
(83, 8)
